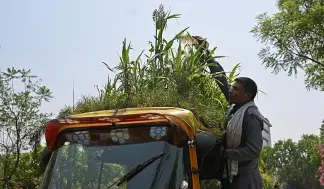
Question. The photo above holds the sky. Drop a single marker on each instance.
(64, 42)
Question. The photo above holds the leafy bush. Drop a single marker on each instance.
(169, 76)
(27, 174)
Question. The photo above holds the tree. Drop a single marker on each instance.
(321, 152)
(295, 163)
(322, 132)
(293, 39)
(21, 123)
(28, 174)
(267, 176)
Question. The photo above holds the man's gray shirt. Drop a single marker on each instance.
(249, 150)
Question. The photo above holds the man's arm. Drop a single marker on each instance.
(253, 146)
(215, 67)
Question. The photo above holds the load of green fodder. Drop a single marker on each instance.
(168, 77)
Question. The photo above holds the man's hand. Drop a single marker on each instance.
(222, 152)
(201, 41)
(213, 65)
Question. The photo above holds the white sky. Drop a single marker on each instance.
(66, 41)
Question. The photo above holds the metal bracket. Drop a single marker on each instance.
(194, 170)
(191, 143)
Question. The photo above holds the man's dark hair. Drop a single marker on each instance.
(249, 86)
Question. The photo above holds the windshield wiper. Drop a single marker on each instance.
(139, 168)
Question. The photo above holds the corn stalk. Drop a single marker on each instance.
(173, 73)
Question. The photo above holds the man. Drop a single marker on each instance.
(243, 140)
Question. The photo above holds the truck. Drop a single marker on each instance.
(130, 148)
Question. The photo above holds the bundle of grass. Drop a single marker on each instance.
(174, 77)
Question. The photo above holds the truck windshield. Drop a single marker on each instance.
(99, 158)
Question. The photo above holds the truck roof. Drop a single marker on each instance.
(184, 114)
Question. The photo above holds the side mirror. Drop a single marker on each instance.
(208, 155)
(206, 142)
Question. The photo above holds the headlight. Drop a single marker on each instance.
(158, 132)
(81, 137)
(119, 135)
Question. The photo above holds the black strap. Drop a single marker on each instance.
(227, 171)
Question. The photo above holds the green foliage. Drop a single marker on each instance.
(206, 184)
(172, 74)
(268, 181)
(21, 123)
(322, 132)
(294, 163)
(321, 153)
(293, 39)
(267, 176)
(27, 174)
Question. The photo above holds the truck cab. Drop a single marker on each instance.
(147, 148)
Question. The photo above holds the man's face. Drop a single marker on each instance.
(237, 94)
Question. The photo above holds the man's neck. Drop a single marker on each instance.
(239, 105)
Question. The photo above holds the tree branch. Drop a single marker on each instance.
(300, 55)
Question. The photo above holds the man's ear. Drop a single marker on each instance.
(248, 95)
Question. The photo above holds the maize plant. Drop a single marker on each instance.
(171, 73)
